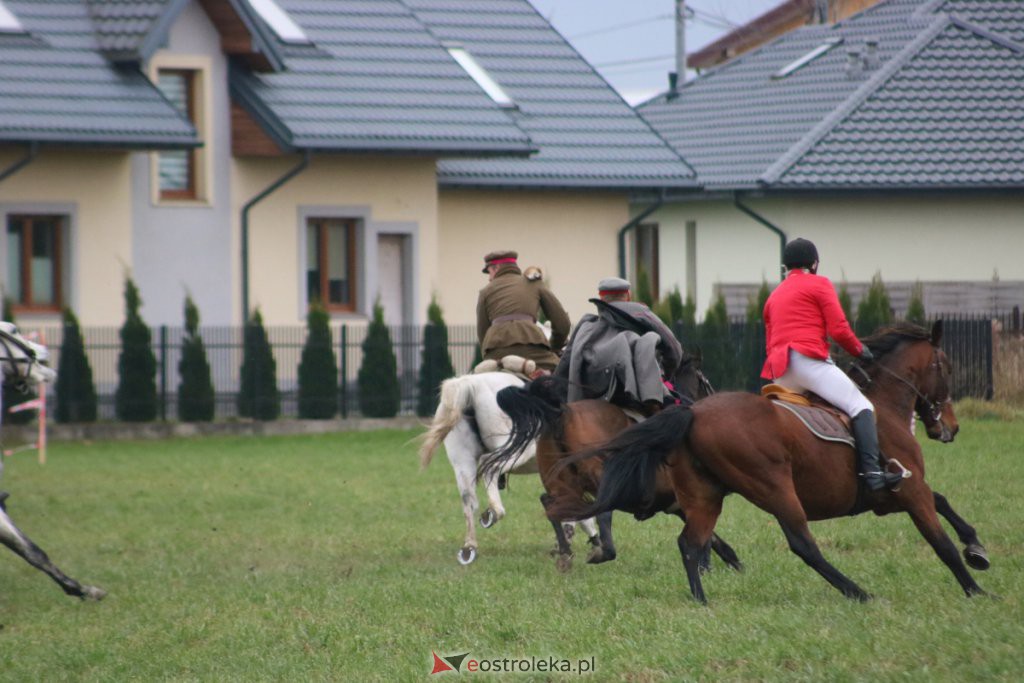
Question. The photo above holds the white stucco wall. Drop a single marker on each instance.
(572, 235)
(907, 238)
(92, 187)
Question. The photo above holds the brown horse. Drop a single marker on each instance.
(737, 442)
(539, 411)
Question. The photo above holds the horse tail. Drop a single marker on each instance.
(533, 409)
(631, 465)
(456, 397)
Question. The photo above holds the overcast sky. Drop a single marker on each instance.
(632, 42)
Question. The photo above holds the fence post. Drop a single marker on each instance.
(163, 373)
(344, 371)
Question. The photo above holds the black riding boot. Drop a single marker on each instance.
(868, 457)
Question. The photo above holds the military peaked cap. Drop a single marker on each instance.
(613, 284)
(499, 257)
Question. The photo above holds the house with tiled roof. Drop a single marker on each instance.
(264, 153)
(894, 139)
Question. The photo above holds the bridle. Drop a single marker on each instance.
(20, 379)
(934, 407)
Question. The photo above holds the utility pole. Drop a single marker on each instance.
(680, 43)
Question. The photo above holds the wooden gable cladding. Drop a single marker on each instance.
(235, 38)
(247, 137)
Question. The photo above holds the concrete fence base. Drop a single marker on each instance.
(115, 431)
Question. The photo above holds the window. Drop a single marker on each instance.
(479, 74)
(807, 58)
(645, 253)
(34, 261)
(279, 21)
(330, 262)
(8, 22)
(177, 168)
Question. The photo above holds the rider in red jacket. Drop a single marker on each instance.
(799, 317)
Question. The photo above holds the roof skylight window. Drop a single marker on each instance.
(480, 75)
(8, 22)
(278, 20)
(807, 58)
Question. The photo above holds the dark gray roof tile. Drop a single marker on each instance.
(587, 135)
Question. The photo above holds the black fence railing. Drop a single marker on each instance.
(986, 351)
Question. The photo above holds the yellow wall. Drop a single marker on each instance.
(97, 184)
(394, 188)
(572, 235)
(928, 238)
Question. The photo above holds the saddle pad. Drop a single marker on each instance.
(822, 422)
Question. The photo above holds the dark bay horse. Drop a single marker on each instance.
(539, 411)
(738, 442)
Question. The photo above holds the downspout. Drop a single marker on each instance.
(297, 169)
(632, 224)
(33, 152)
(763, 221)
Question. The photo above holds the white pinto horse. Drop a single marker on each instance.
(470, 424)
(24, 364)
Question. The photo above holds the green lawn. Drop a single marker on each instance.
(332, 558)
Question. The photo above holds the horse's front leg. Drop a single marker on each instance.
(564, 550)
(919, 502)
(974, 551)
(13, 538)
(495, 509)
(604, 551)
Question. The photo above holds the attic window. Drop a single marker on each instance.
(480, 75)
(807, 58)
(8, 22)
(279, 21)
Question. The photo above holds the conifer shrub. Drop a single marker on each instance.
(196, 398)
(436, 365)
(915, 309)
(136, 398)
(318, 370)
(258, 396)
(845, 301)
(76, 391)
(875, 309)
(644, 291)
(379, 392)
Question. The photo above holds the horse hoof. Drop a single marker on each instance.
(466, 555)
(564, 563)
(93, 593)
(976, 557)
(596, 556)
(488, 519)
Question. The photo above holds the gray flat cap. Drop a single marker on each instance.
(613, 284)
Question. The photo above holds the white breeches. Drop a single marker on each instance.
(826, 380)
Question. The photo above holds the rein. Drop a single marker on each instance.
(934, 407)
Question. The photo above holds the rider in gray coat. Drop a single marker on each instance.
(621, 354)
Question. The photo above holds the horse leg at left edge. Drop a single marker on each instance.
(13, 538)
(564, 562)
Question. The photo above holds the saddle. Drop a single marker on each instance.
(821, 418)
(523, 368)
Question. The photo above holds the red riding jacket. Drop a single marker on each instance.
(801, 314)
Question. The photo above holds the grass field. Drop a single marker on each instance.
(332, 558)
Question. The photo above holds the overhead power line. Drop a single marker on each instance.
(619, 27)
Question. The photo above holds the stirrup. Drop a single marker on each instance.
(896, 467)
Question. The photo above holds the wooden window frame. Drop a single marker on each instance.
(320, 223)
(190, 91)
(24, 220)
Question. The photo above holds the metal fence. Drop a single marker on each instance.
(987, 352)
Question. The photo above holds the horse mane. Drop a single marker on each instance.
(885, 339)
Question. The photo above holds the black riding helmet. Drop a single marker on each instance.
(799, 253)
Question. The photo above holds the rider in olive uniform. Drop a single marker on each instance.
(506, 314)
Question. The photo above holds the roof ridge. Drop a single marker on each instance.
(987, 33)
(669, 146)
(781, 165)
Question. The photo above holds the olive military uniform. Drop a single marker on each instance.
(506, 315)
